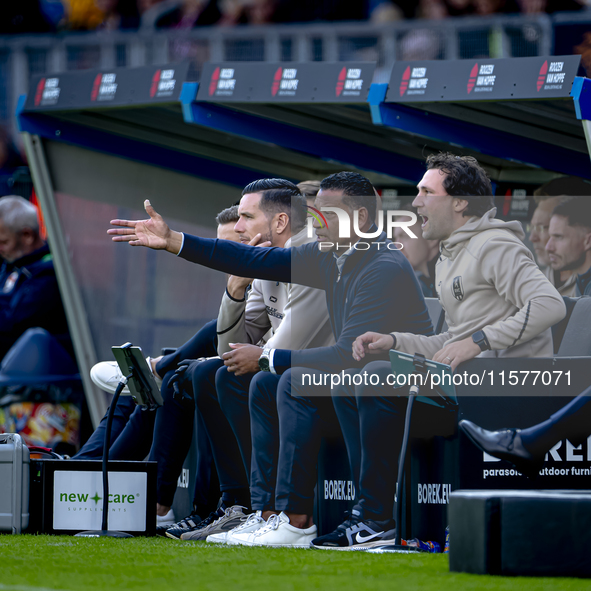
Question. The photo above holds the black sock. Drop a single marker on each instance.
(237, 496)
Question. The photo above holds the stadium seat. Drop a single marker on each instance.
(576, 340)
(559, 328)
(435, 309)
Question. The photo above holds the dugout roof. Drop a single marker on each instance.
(99, 142)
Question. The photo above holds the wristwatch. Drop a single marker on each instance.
(265, 359)
(480, 339)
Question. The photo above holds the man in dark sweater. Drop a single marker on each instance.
(29, 294)
(368, 284)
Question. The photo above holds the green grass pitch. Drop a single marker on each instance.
(29, 563)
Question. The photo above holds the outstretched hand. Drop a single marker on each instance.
(153, 233)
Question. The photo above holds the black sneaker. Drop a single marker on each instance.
(357, 534)
(193, 518)
(191, 523)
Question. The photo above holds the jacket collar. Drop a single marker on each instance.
(29, 259)
(354, 257)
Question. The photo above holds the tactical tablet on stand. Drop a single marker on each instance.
(145, 392)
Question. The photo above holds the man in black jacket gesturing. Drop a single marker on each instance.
(369, 284)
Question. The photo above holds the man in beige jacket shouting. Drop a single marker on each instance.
(497, 303)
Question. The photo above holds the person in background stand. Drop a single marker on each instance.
(569, 245)
(29, 293)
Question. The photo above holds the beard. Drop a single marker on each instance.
(267, 236)
(576, 264)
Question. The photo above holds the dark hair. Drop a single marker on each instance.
(564, 185)
(227, 216)
(577, 210)
(357, 190)
(464, 178)
(280, 196)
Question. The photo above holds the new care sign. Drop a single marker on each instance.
(78, 501)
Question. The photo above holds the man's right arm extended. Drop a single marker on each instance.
(302, 264)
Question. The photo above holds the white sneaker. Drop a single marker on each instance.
(278, 532)
(157, 378)
(167, 519)
(107, 375)
(236, 536)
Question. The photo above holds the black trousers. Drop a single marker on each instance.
(163, 435)
(231, 469)
(372, 420)
(572, 421)
(288, 422)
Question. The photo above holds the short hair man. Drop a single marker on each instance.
(367, 284)
(569, 245)
(165, 435)
(489, 305)
(275, 209)
(547, 197)
(564, 281)
(29, 293)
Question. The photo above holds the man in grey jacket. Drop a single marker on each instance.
(497, 303)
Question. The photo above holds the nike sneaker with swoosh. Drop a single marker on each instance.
(356, 534)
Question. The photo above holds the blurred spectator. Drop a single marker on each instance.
(10, 160)
(385, 12)
(118, 14)
(189, 14)
(55, 12)
(29, 294)
(104, 14)
(459, 7)
(253, 12)
(144, 5)
(584, 50)
(488, 7)
(24, 16)
(84, 15)
(549, 6)
(299, 11)
(432, 9)
(420, 44)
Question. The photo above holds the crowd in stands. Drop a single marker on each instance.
(46, 16)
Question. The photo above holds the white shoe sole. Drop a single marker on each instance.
(302, 545)
(356, 548)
